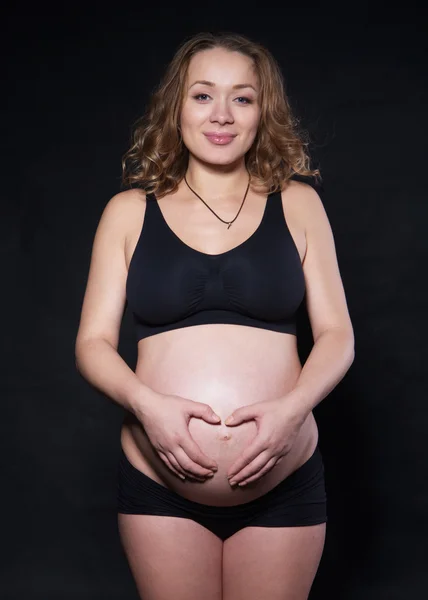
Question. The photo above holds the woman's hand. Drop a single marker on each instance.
(166, 422)
(277, 428)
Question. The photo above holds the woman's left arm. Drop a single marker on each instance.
(333, 350)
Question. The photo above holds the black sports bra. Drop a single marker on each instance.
(259, 283)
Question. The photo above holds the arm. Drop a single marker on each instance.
(103, 367)
(97, 359)
(333, 350)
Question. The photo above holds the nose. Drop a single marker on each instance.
(221, 113)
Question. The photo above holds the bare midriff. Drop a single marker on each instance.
(225, 366)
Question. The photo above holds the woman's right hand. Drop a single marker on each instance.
(165, 421)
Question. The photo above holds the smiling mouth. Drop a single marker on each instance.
(219, 138)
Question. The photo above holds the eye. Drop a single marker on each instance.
(199, 95)
(247, 100)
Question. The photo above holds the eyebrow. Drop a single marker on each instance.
(238, 86)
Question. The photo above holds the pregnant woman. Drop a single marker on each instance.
(214, 247)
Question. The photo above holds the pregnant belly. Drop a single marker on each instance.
(224, 445)
(226, 369)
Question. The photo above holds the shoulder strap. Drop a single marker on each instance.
(274, 209)
(152, 207)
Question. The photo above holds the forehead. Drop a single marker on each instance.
(222, 67)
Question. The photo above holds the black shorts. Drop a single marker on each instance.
(298, 500)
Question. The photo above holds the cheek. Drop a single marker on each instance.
(255, 120)
(249, 121)
(193, 117)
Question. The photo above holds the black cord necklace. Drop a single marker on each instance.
(228, 223)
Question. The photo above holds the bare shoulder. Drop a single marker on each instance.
(325, 295)
(105, 293)
(302, 203)
(122, 207)
(124, 214)
(298, 199)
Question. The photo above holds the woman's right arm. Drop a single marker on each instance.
(165, 417)
(97, 359)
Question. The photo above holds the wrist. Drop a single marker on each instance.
(142, 398)
(296, 406)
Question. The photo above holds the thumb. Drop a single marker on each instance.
(240, 415)
(205, 412)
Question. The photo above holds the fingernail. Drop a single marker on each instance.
(233, 483)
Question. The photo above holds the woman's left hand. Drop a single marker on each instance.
(277, 428)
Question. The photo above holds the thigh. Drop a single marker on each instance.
(274, 563)
(172, 558)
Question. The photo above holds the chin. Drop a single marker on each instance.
(216, 158)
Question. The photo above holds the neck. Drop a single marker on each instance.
(217, 182)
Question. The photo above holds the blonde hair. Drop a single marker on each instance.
(157, 159)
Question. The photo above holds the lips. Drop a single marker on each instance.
(219, 139)
(220, 136)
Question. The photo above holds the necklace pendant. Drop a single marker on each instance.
(229, 225)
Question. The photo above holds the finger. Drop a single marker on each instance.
(188, 465)
(254, 467)
(194, 453)
(174, 462)
(185, 474)
(247, 457)
(270, 464)
(170, 466)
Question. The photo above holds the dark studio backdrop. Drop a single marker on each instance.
(76, 81)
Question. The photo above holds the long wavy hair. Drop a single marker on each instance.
(157, 159)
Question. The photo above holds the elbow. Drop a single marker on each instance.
(80, 346)
(349, 345)
(346, 339)
(352, 354)
(347, 335)
(77, 358)
(84, 346)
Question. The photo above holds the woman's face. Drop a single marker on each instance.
(216, 106)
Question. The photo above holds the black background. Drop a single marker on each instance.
(76, 79)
